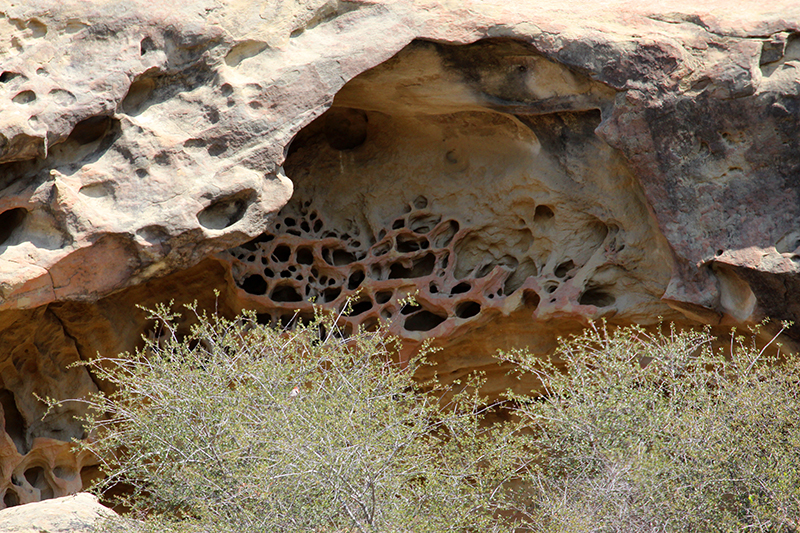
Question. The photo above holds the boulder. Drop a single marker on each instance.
(78, 513)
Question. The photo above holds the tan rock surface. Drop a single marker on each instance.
(79, 513)
(521, 167)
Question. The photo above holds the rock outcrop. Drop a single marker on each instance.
(519, 169)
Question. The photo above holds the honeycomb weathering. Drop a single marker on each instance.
(421, 185)
(448, 269)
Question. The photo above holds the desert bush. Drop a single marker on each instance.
(237, 426)
(642, 432)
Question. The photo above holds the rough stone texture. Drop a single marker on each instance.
(520, 167)
(79, 513)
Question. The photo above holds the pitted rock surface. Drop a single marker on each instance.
(518, 169)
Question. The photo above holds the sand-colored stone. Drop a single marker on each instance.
(78, 513)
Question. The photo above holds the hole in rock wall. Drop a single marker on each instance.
(14, 423)
(138, 94)
(451, 174)
(25, 97)
(598, 297)
(7, 76)
(468, 309)
(37, 479)
(9, 221)
(423, 321)
(226, 211)
(10, 498)
(91, 129)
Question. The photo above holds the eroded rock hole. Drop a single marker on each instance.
(355, 279)
(345, 128)
(381, 249)
(360, 307)
(330, 294)
(285, 293)
(468, 309)
(461, 288)
(36, 477)
(410, 309)
(563, 269)
(420, 268)
(421, 202)
(371, 324)
(10, 498)
(597, 296)
(25, 97)
(9, 221)
(600, 230)
(138, 94)
(410, 243)
(225, 212)
(7, 76)
(525, 270)
(65, 472)
(423, 224)
(423, 321)
(254, 284)
(530, 299)
(343, 257)
(398, 224)
(147, 45)
(14, 423)
(444, 234)
(484, 270)
(382, 297)
(244, 50)
(91, 129)
(543, 214)
(305, 256)
(281, 253)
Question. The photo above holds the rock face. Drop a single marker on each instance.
(520, 171)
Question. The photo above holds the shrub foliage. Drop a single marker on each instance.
(662, 433)
(240, 427)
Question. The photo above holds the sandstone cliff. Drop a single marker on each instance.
(521, 167)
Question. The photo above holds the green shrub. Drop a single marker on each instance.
(239, 427)
(660, 433)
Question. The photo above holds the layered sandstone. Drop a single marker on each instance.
(518, 171)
